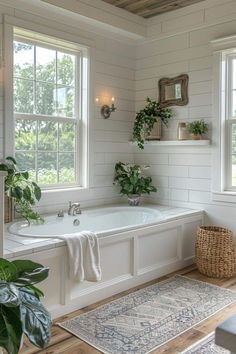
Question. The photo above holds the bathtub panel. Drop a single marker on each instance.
(157, 249)
(189, 236)
(116, 263)
(116, 259)
(54, 286)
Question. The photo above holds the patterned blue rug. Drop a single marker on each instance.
(148, 318)
(206, 346)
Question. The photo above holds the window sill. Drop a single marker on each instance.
(226, 197)
(63, 189)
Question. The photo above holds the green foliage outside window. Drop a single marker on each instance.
(45, 148)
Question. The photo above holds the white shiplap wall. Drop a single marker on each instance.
(113, 75)
(179, 42)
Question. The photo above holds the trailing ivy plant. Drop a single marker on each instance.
(131, 180)
(21, 311)
(146, 118)
(24, 192)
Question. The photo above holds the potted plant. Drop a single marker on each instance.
(21, 190)
(21, 311)
(132, 182)
(197, 129)
(152, 114)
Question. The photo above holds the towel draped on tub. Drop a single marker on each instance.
(84, 255)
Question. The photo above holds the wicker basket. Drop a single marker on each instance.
(7, 209)
(215, 252)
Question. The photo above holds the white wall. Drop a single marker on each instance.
(113, 75)
(179, 42)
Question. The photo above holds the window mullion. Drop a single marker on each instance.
(22, 116)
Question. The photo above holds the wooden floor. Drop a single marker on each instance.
(63, 342)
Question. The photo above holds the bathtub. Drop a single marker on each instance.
(137, 244)
(103, 221)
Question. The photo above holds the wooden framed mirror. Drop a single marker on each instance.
(173, 92)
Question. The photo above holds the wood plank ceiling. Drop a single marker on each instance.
(149, 8)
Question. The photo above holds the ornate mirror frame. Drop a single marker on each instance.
(183, 81)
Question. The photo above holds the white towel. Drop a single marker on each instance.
(84, 255)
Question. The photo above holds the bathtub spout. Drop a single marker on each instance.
(74, 208)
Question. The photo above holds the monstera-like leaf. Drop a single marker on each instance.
(20, 308)
(10, 329)
(34, 315)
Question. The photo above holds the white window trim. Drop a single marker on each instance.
(78, 103)
(220, 161)
(87, 145)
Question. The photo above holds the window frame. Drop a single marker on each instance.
(57, 119)
(86, 46)
(224, 49)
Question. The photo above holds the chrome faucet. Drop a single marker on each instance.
(74, 208)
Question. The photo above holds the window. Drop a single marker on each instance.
(49, 108)
(228, 118)
(224, 120)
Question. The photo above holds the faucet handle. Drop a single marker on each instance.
(60, 214)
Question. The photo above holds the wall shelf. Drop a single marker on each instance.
(175, 142)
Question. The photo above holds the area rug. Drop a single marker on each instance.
(148, 318)
(206, 346)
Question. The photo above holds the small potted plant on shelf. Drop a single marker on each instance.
(150, 117)
(20, 190)
(21, 311)
(197, 129)
(132, 181)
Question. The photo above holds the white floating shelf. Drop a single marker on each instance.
(175, 142)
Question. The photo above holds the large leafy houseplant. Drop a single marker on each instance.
(132, 181)
(19, 187)
(146, 118)
(21, 311)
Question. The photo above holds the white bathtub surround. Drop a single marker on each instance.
(149, 242)
(83, 255)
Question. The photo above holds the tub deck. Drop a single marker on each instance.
(15, 246)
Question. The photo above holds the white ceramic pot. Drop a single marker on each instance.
(133, 199)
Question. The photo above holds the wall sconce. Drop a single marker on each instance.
(107, 110)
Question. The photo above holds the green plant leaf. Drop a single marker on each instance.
(10, 158)
(25, 174)
(10, 329)
(33, 277)
(35, 316)
(27, 194)
(37, 292)
(23, 191)
(37, 191)
(25, 265)
(17, 193)
(9, 295)
(8, 270)
(29, 272)
(3, 167)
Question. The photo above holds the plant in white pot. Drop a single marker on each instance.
(152, 115)
(197, 129)
(132, 181)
